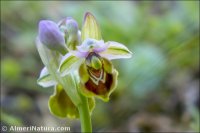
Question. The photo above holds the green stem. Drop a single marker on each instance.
(85, 115)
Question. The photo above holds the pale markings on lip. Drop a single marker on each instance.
(95, 79)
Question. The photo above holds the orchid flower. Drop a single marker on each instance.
(78, 65)
(92, 58)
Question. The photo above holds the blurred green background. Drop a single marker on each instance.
(158, 89)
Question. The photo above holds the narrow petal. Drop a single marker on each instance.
(45, 79)
(116, 50)
(100, 46)
(86, 45)
(79, 54)
(69, 63)
(92, 45)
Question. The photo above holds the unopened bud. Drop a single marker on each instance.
(72, 35)
(51, 36)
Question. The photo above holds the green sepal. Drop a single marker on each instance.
(90, 28)
(116, 50)
(69, 63)
(45, 79)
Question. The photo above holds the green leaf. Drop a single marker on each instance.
(45, 79)
(90, 28)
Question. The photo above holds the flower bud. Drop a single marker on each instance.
(71, 25)
(51, 36)
(72, 36)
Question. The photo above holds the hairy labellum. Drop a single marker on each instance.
(100, 82)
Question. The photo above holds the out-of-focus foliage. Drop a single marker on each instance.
(158, 89)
